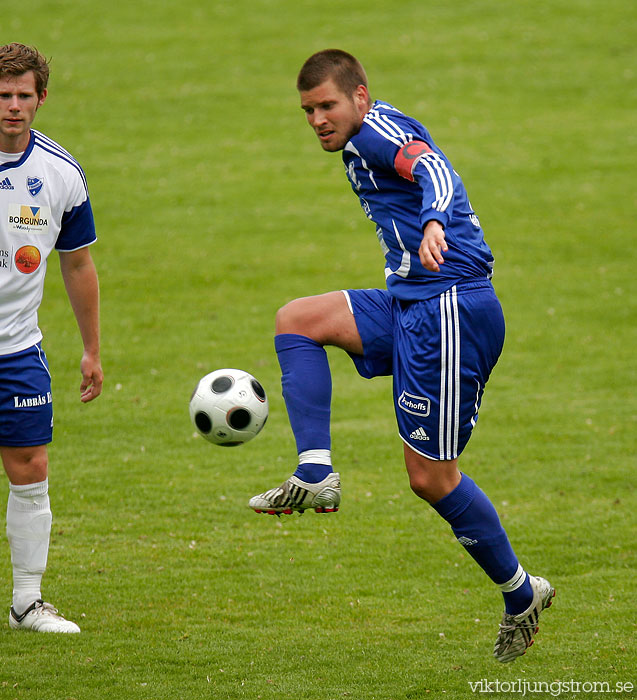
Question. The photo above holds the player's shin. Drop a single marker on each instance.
(476, 525)
(307, 390)
(28, 531)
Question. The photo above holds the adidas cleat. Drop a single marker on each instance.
(296, 495)
(517, 631)
(41, 617)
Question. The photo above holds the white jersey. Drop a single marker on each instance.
(44, 204)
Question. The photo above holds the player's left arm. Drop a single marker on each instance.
(82, 286)
(417, 162)
(432, 246)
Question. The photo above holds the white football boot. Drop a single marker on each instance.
(296, 495)
(517, 631)
(41, 617)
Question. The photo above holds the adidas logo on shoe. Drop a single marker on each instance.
(6, 184)
(419, 434)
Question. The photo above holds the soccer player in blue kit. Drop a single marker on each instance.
(438, 329)
(44, 205)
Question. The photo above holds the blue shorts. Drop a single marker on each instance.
(26, 406)
(440, 352)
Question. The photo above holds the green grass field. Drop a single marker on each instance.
(214, 206)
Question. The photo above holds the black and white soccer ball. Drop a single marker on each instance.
(228, 407)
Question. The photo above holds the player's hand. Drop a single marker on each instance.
(92, 378)
(432, 246)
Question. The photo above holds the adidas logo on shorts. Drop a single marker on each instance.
(419, 434)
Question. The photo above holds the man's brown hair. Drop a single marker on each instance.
(18, 59)
(345, 70)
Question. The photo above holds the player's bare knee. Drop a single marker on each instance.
(429, 479)
(423, 486)
(26, 466)
(36, 468)
(300, 316)
(286, 318)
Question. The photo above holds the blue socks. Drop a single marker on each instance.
(314, 466)
(476, 524)
(306, 381)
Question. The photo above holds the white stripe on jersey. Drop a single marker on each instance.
(352, 149)
(441, 179)
(370, 171)
(435, 181)
(395, 128)
(435, 165)
(405, 263)
(50, 146)
(383, 128)
(54, 144)
(445, 179)
(449, 419)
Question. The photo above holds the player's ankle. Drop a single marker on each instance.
(312, 473)
(314, 465)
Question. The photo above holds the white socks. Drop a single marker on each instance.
(28, 531)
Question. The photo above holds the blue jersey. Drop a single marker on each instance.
(403, 180)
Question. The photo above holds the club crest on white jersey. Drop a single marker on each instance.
(34, 185)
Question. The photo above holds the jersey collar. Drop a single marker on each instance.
(22, 159)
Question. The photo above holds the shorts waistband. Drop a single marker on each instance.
(460, 287)
(472, 284)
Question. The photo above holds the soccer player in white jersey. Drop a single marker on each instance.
(437, 329)
(44, 204)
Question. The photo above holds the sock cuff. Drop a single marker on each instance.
(514, 582)
(29, 498)
(41, 488)
(316, 457)
(455, 503)
(287, 341)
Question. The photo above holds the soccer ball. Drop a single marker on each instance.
(228, 407)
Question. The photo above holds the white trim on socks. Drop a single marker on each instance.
(515, 582)
(316, 457)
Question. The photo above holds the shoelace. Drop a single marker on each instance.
(39, 607)
(511, 626)
(45, 609)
